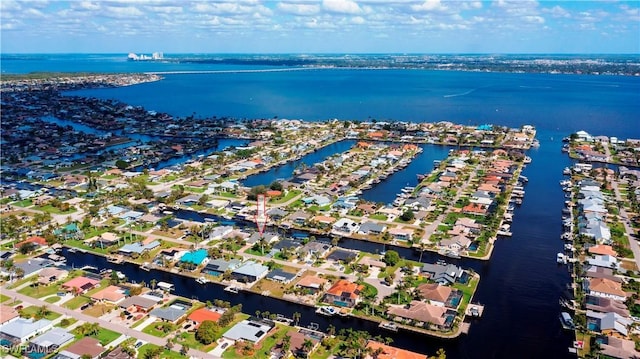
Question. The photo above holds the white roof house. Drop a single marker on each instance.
(22, 329)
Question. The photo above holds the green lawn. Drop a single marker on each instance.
(290, 195)
(32, 310)
(4, 298)
(379, 216)
(67, 323)
(265, 346)
(151, 329)
(105, 336)
(166, 354)
(39, 291)
(80, 244)
(23, 203)
(76, 302)
(51, 209)
(52, 299)
(227, 195)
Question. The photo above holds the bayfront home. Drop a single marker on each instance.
(343, 293)
(442, 273)
(423, 314)
(606, 288)
(250, 272)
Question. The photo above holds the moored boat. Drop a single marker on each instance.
(567, 321)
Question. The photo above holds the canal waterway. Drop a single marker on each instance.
(285, 171)
(519, 286)
(387, 190)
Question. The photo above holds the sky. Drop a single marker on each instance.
(320, 26)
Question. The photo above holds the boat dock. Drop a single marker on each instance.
(475, 310)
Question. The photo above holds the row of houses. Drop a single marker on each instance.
(606, 299)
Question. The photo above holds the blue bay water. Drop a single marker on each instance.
(598, 104)
(521, 284)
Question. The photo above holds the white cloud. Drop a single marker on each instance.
(358, 20)
(534, 19)
(557, 11)
(429, 5)
(299, 9)
(341, 6)
(166, 9)
(9, 5)
(89, 5)
(123, 12)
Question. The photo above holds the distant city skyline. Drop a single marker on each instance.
(320, 26)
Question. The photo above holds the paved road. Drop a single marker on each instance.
(104, 324)
(633, 243)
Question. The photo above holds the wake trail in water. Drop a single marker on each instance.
(460, 94)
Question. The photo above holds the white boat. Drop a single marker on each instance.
(145, 266)
(566, 171)
(202, 280)
(327, 310)
(232, 289)
(527, 159)
(566, 321)
(561, 258)
(388, 326)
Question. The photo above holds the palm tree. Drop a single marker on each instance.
(296, 317)
(153, 283)
(307, 345)
(422, 248)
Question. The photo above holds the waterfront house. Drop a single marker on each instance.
(21, 329)
(278, 275)
(86, 347)
(371, 228)
(311, 283)
(7, 314)
(51, 274)
(269, 237)
(80, 285)
(315, 249)
(171, 314)
(605, 305)
(608, 323)
(442, 273)
(33, 266)
(421, 312)
(252, 330)
(200, 315)
(343, 293)
(219, 232)
(612, 347)
(110, 295)
(439, 295)
(36, 241)
(389, 352)
(602, 249)
(345, 225)
(457, 243)
(402, 234)
(189, 200)
(605, 261)
(138, 248)
(217, 267)
(276, 213)
(50, 341)
(299, 217)
(342, 255)
(195, 258)
(106, 239)
(139, 304)
(606, 288)
(250, 272)
(323, 221)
